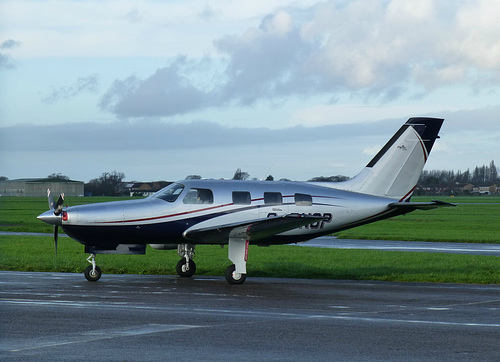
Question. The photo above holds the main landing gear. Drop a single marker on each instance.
(186, 266)
(237, 253)
(93, 272)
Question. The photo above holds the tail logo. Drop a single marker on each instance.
(402, 147)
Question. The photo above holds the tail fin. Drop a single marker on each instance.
(395, 169)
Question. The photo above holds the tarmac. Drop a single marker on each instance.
(61, 316)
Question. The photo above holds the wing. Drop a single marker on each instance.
(410, 206)
(251, 229)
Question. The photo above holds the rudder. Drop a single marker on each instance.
(395, 169)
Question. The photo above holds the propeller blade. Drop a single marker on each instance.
(51, 200)
(56, 234)
(59, 205)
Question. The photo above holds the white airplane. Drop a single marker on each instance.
(238, 213)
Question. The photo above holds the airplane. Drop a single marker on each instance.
(242, 213)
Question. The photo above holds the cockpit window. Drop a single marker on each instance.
(170, 193)
(199, 196)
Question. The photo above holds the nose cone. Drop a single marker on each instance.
(50, 218)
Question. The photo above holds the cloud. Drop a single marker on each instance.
(10, 44)
(169, 91)
(266, 62)
(6, 61)
(376, 49)
(155, 135)
(83, 84)
(151, 150)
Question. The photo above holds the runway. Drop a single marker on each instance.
(61, 316)
(415, 246)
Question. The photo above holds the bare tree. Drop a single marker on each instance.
(107, 185)
(57, 176)
(240, 175)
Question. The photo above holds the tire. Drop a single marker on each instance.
(230, 276)
(93, 276)
(181, 268)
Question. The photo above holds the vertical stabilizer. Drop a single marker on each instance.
(396, 168)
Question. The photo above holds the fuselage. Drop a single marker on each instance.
(164, 217)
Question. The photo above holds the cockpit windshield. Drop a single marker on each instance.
(169, 193)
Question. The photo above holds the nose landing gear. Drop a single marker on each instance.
(186, 266)
(93, 272)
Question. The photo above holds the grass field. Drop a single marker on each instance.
(474, 220)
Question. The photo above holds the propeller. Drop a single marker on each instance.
(57, 207)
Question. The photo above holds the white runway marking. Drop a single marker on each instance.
(244, 313)
(19, 345)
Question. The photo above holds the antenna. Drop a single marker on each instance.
(267, 172)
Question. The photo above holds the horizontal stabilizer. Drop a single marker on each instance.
(410, 206)
(251, 229)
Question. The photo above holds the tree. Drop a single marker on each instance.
(3, 178)
(270, 178)
(442, 181)
(193, 177)
(108, 184)
(338, 178)
(57, 176)
(493, 172)
(240, 175)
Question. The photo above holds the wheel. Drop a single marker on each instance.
(181, 268)
(232, 277)
(91, 275)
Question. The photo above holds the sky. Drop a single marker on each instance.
(160, 90)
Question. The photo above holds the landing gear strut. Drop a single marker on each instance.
(93, 272)
(186, 266)
(238, 254)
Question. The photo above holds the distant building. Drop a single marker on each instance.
(485, 190)
(39, 187)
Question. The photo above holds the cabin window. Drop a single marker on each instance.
(169, 193)
(241, 198)
(199, 196)
(303, 200)
(273, 198)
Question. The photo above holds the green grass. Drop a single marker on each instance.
(464, 223)
(37, 254)
(474, 220)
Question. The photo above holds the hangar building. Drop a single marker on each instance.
(39, 186)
